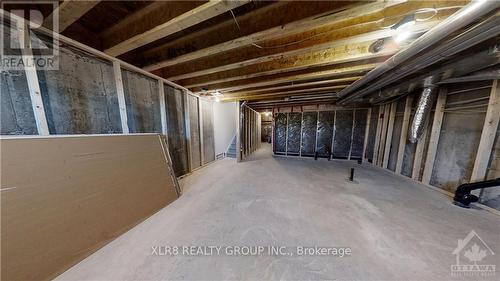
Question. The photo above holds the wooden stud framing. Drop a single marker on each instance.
(121, 95)
(404, 133)
(377, 134)
(488, 134)
(163, 110)
(434, 138)
(187, 128)
(367, 132)
(333, 132)
(419, 155)
(202, 146)
(390, 129)
(383, 135)
(238, 133)
(33, 84)
(352, 132)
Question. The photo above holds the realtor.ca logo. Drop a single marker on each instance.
(27, 35)
(472, 257)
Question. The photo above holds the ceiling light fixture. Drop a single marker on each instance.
(403, 28)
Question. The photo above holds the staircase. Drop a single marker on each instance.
(231, 151)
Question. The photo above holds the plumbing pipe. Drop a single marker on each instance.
(462, 195)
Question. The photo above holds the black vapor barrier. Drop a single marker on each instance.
(358, 136)
(208, 131)
(294, 123)
(343, 134)
(280, 121)
(325, 133)
(176, 129)
(309, 123)
(194, 129)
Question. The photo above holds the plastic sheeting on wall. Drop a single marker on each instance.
(309, 124)
(142, 100)
(372, 134)
(358, 135)
(80, 97)
(396, 134)
(325, 133)
(176, 129)
(280, 132)
(343, 133)
(294, 124)
(194, 128)
(208, 131)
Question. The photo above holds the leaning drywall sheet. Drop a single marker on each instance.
(176, 129)
(325, 133)
(372, 133)
(280, 128)
(80, 97)
(143, 102)
(194, 128)
(65, 197)
(294, 124)
(358, 135)
(343, 133)
(309, 124)
(208, 131)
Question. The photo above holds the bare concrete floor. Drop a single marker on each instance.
(397, 229)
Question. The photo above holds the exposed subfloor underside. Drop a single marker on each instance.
(397, 228)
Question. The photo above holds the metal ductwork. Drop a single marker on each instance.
(464, 17)
(422, 113)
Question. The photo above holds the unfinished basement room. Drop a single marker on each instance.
(250, 140)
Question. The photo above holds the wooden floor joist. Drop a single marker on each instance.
(188, 19)
(68, 12)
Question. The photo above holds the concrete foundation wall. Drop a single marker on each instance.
(459, 138)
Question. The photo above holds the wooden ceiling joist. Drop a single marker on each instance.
(303, 62)
(277, 32)
(188, 19)
(291, 86)
(68, 12)
(310, 92)
(252, 83)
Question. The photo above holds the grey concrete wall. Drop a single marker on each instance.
(142, 100)
(372, 133)
(208, 131)
(176, 129)
(16, 112)
(80, 97)
(491, 196)
(396, 134)
(194, 127)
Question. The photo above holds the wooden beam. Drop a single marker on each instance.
(383, 135)
(117, 71)
(68, 12)
(419, 155)
(188, 19)
(329, 57)
(311, 91)
(390, 129)
(279, 30)
(328, 74)
(487, 135)
(434, 138)
(33, 83)
(404, 133)
(337, 41)
(315, 83)
(377, 134)
(367, 132)
(163, 110)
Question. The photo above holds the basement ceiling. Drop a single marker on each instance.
(265, 52)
